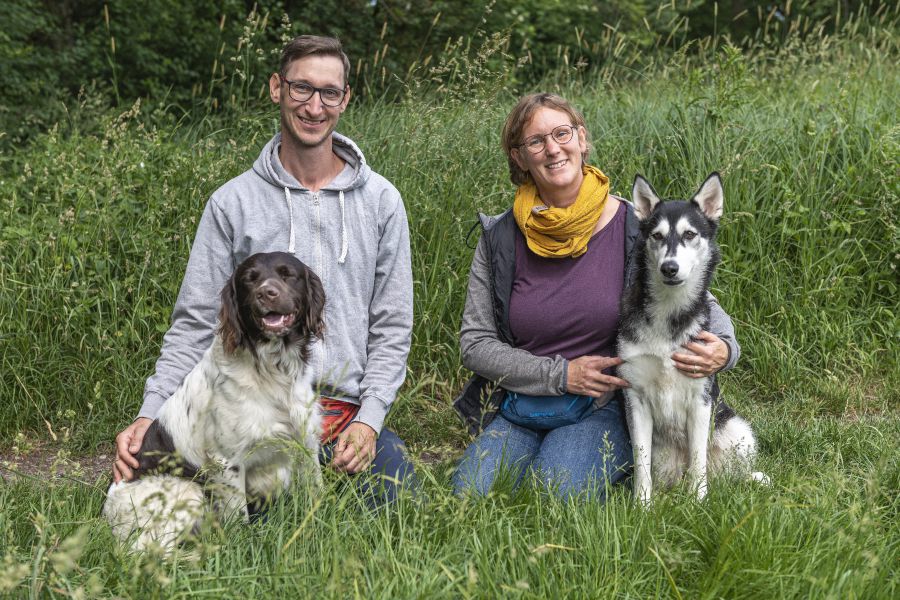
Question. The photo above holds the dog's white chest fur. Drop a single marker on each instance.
(210, 418)
(658, 385)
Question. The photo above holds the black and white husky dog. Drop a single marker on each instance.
(665, 307)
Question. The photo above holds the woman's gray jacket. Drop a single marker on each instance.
(486, 342)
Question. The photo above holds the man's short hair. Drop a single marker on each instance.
(313, 45)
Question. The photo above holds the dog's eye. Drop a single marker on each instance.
(689, 235)
(657, 236)
(284, 272)
(251, 275)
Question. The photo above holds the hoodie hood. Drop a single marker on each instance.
(354, 175)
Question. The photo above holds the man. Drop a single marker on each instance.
(312, 194)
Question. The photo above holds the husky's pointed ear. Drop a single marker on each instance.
(644, 197)
(710, 197)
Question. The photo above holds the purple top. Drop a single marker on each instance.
(570, 306)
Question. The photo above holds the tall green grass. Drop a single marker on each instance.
(96, 220)
(827, 528)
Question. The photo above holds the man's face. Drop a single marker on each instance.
(310, 123)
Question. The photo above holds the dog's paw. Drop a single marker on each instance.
(702, 490)
(643, 498)
(116, 486)
(760, 477)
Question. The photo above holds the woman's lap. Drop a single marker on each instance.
(570, 459)
(503, 450)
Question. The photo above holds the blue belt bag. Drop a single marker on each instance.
(545, 412)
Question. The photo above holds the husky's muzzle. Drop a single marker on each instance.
(669, 270)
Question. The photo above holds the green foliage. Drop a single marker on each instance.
(209, 55)
(96, 219)
(827, 528)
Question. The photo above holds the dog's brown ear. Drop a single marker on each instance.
(230, 329)
(314, 309)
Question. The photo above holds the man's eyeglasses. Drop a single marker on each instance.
(561, 135)
(302, 92)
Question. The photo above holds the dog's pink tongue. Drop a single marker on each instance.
(276, 321)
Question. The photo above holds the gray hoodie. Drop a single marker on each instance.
(353, 233)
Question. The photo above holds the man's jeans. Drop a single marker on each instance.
(585, 457)
(390, 471)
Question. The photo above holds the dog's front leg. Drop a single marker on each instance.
(229, 490)
(698, 443)
(640, 424)
(310, 468)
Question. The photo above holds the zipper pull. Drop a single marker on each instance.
(316, 198)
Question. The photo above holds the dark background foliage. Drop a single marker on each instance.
(175, 52)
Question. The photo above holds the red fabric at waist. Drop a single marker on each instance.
(336, 415)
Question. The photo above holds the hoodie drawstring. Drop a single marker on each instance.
(287, 198)
(344, 241)
(343, 230)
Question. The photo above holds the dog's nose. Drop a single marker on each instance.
(669, 268)
(266, 292)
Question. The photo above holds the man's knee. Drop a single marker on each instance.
(392, 468)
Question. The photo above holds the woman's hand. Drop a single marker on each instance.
(705, 356)
(586, 377)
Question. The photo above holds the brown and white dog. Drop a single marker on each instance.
(244, 420)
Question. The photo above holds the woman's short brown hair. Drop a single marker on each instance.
(313, 45)
(519, 118)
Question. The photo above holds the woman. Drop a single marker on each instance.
(541, 315)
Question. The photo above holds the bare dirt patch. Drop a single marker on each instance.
(43, 461)
(46, 461)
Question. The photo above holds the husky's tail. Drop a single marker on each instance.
(733, 448)
(157, 511)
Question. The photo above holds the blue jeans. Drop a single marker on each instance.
(379, 484)
(573, 459)
(390, 470)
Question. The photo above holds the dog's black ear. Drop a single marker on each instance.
(314, 309)
(230, 329)
(644, 197)
(711, 197)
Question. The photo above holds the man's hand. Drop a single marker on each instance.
(354, 450)
(128, 442)
(585, 376)
(702, 358)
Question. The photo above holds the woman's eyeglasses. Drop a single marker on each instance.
(561, 135)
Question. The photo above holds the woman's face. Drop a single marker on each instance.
(556, 169)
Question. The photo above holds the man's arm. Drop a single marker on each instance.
(194, 316)
(190, 333)
(390, 316)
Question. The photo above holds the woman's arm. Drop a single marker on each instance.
(484, 353)
(721, 326)
(713, 350)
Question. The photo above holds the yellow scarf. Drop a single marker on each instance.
(559, 232)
